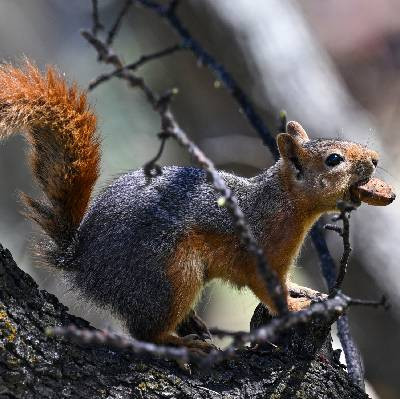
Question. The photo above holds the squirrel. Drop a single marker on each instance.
(145, 250)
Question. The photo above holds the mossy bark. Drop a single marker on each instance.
(34, 365)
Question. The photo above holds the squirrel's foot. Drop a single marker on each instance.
(297, 291)
(192, 342)
(296, 304)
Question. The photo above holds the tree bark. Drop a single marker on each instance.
(34, 365)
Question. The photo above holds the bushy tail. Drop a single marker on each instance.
(61, 131)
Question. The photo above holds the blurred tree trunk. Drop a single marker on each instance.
(34, 365)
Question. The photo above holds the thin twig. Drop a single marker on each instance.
(118, 341)
(206, 59)
(344, 232)
(352, 354)
(328, 266)
(117, 24)
(151, 168)
(95, 17)
(135, 65)
(172, 6)
(150, 57)
(104, 53)
(355, 367)
(383, 302)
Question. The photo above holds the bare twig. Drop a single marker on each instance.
(206, 59)
(135, 65)
(105, 54)
(118, 341)
(151, 168)
(173, 4)
(117, 24)
(95, 17)
(327, 263)
(383, 302)
(355, 367)
(344, 232)
(352, 354)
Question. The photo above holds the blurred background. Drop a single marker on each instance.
(333, 65)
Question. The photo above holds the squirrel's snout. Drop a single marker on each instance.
(365, 170)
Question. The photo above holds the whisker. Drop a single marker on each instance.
(388, 173)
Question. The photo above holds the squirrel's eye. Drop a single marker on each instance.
(334, 159)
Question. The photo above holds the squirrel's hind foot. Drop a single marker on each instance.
(192, 342)
(296, 304)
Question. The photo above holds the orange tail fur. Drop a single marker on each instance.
(61, 131)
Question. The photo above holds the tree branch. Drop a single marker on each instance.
(35, 365)
(219, 71)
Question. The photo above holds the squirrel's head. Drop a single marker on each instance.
(322, 172)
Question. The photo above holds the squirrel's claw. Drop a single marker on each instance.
(194, 342)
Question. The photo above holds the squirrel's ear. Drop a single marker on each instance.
(287, 145)
(296, 130)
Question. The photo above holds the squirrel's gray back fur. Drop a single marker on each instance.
(121, 248)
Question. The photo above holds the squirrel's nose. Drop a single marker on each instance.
(374, 162)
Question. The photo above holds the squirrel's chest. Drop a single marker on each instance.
(283, 240)
(206, 256)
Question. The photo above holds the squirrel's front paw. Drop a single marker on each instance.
(296, 304)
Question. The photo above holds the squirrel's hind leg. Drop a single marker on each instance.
(185, 273)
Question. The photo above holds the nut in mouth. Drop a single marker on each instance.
(372, 191)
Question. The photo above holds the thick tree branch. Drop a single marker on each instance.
(34, 365)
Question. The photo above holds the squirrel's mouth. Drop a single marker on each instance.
(352, 194)
(372, 191)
